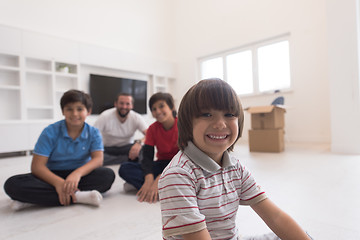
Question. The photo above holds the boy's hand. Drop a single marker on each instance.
(64, 198)
(71, 184)
(149, 190)
(134, 151)
(148, 194)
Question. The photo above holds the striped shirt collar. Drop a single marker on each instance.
(204, 161)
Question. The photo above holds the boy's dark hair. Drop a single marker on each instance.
(73, 95)
(207, 94)
(165, 97)
(124, 94)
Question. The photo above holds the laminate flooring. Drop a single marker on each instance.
(319, 189)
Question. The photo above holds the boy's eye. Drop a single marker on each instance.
(229, 115)
(205, 115)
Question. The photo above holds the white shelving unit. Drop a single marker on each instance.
(36, 69)
(31, 88)
(65, 77)
(10, 87)
(37, 83)
(30, 92)
(162, 84)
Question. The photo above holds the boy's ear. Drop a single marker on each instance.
(89, 111)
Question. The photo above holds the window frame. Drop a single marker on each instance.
(253, 47)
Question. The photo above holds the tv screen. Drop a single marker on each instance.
(104, 89)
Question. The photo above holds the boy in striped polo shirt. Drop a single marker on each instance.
(201, 188)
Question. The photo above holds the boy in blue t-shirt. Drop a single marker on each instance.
(67, 161)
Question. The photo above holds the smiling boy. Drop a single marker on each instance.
(204, 184)
(67, 159)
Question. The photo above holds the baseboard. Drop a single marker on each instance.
(15, 154)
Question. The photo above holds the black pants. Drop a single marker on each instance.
(30, 189)
(117, 155)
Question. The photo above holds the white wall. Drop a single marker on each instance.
(184, 30)
(204, 27)
(343, 37)
(140, 27)
(114, 36)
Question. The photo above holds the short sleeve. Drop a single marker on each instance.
(178, 201)
(99, 123)
(150, 135)
(142, 126)
(45, 143)
(97, 143)
(251, 192)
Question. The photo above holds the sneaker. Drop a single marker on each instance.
(129, 187)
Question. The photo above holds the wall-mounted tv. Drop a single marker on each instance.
(104, 89)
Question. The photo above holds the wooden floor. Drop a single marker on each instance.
(319, 189)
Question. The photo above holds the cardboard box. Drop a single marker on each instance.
(266, 140)
(267, 117)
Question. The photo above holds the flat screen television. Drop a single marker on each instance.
(104, 89)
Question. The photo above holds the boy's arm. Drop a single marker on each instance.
(97, 159)
(146, 192)
(200, 235)
(278, 221)
(136, 147)
(149, 192)
(40, 170)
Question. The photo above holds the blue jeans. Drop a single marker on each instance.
(132, 172)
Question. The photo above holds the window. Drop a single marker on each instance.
(239, 66)
(273, 66)
(212, 68)
(256, 68)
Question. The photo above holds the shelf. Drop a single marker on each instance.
(65, 82)
(9, 87)
(68, 75)
(160, 89)
(10, 105)
(40, 72)
(66, 68)
(38, 64)
(40, 107)
(9, 77)
(39, 113)
(38, 89)
(7, 68)
(8, 60)
(57, 109)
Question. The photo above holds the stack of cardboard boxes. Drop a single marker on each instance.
(267, 128)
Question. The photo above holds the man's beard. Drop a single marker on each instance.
(123, 115)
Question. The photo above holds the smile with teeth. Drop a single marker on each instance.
(217, 137)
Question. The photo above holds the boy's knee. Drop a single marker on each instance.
(122, 170)
(10, 186)
(108, 175)
(126, 169)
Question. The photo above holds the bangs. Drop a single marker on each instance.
(217, 95)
